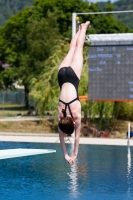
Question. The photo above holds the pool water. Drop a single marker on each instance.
(100, 173)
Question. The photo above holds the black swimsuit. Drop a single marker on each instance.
(67, 75)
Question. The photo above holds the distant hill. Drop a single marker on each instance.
(11, 7)
(120, 5)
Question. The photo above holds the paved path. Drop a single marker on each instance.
(19, 118)
(53, 138)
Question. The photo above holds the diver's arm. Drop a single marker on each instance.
(63, 145)
(62, 141)
(77, 137)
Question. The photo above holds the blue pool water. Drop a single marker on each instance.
(100, 173)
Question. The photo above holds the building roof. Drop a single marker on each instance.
(110, 39)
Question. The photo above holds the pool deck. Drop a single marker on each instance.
(53, 138)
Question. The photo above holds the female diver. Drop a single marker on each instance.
(69, 107)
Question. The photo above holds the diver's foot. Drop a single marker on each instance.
(85, 25)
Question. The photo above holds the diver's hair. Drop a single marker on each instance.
(66, 125)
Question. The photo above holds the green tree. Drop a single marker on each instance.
(45, 89)
(27, 41)
(11, 7)
(41, 37)
(121, 5)
(63, 11)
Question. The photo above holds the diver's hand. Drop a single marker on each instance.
(69, 159)
(73, 157)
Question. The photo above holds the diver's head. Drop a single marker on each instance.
(66, 124)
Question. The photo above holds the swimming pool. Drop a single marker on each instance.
(100, 173)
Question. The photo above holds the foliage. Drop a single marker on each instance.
(33, 43)
(7, 78)
(63, 11)
(39, 47)
(121, 5)
(26, 46)
(126, 111)
(44, 89)
(11, 7)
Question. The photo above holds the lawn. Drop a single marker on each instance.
(44, 126)
(11, 110)
(47, 125)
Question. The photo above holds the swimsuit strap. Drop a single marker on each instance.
(68, 105)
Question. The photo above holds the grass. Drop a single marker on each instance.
(28, 127)
(10, 110)
(39, 126)
(48, 126)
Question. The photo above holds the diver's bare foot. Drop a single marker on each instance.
(85, 25)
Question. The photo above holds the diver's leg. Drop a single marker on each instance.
(68, 59)
(77, 61)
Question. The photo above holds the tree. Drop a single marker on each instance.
(45, 89)
(28, 41)
(11, 7)
(40, 43)
(7, 77)
(121, 5)
(29, 51)
(63, 11)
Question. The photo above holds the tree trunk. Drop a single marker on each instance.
(85, 116)
(26, 97)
